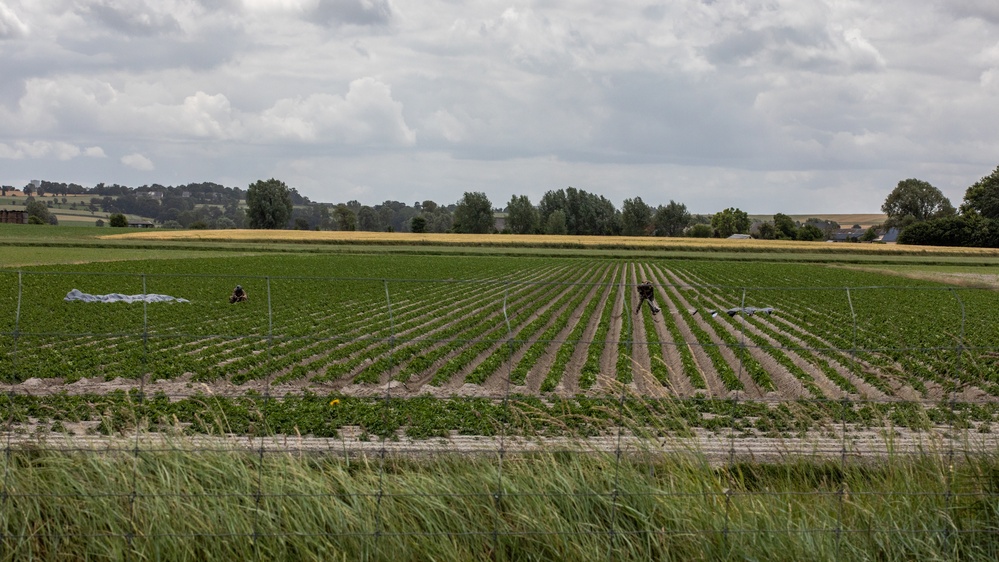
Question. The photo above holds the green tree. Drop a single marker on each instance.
(636, 216)
(368, 219)
(522, 216)
(268, 204)
(555, 225)
(585, 213)
(915, 200)
(730, 221)
(671, 220)
(474, 214)
(809, 232)
(784, 227)
(344, 218)
(983, 197)
(766, 231)
(700, 230)
(37, 210)
(118, 220)
(418, 224)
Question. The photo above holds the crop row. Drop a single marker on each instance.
(425, 417)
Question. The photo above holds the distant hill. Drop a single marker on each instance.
(865, 220)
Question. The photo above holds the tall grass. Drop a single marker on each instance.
(184, 504)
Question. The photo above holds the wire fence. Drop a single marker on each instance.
(335, 380)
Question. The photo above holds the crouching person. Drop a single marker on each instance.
(238, 295)
(646, 292)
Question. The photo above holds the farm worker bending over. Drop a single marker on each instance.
(238, 295)
(647, 293)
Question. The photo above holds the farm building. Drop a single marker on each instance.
(141, 224)
(846, 234)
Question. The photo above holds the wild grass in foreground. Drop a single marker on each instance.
(176, 504)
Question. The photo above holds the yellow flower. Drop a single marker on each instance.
(334, 401)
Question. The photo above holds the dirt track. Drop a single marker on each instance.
(856, 446)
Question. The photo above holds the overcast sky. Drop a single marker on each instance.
(794, 106)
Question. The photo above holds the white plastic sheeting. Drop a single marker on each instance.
(76, 295)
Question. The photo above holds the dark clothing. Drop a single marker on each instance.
(238, 295)
(646, 292)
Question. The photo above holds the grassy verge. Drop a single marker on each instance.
(217, 504)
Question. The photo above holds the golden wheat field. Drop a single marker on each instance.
(542, 241)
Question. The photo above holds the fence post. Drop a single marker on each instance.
(258, 495)
(853, 316)
(17, 321)
(612, 523)
(742, 335)
(948, 498)
(385, 412)
(10, 419)
(498, 495)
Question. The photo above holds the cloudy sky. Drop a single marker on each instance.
(795, 106)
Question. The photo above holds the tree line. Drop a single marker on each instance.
(926, 216)
(271, 204)
(919, 210)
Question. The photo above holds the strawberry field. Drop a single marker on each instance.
(567, 331)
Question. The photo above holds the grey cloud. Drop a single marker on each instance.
(654, 12)
(737, 47)
(811, 49)
(144, 54)
(352, 12)
(221, 5)
(132, 18)
(987, 10)
(668, 119)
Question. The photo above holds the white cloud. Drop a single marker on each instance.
(20, 150)
(366, 115)
(94, 152)
(138, 162)
(11, 26)
(445, 125)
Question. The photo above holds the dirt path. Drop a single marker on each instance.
(718, 449)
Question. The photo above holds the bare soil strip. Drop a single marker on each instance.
(718, 449)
